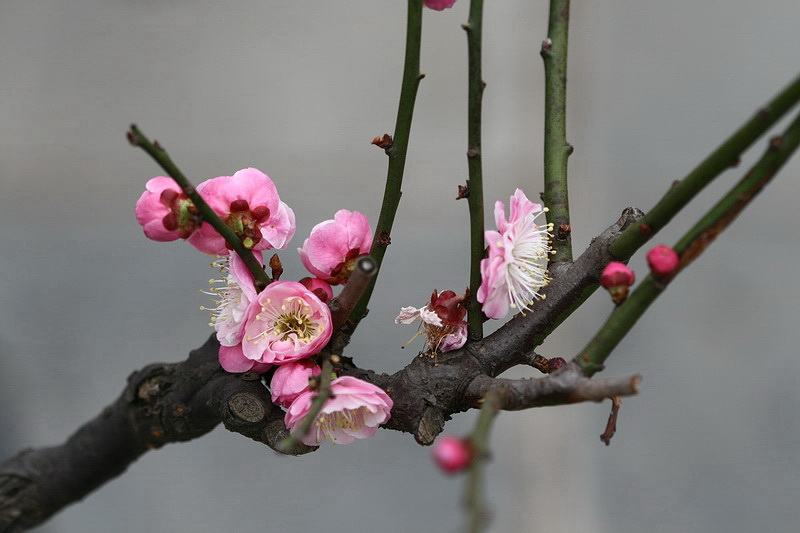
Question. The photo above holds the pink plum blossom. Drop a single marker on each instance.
(165, 212)
(248, 202)
(452, 454)
(321, 288)
(232, 360)
(515, 269)
(663, 260)
(291, 380)
(439, 5)
(442, 321)
(284, 323)
(233, 298)
(355, 411)
(332, 248)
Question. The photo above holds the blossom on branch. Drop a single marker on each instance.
(355, 411)
(291, 380)
(516, 267)
(165, 212)
(442, 321)
(248, 202)
(232, 299)
(284, 323)
(330, 252)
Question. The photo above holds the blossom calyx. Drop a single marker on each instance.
(616, 278)
(516, 267)
(663, 260)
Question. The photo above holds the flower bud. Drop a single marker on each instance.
(663, 260)
(452, 454)
(616, 278)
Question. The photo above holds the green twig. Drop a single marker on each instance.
(474, 503)
(323, 393)
(556, 148)
(396, 150)
(725, 156)
(474, 29)
(690, 247)
(137, 138)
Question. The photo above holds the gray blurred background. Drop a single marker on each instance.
(298, 90)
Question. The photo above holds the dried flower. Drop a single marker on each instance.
(442, 321)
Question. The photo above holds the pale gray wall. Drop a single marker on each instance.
(298, 89)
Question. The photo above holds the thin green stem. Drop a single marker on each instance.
(474, 29)
(137, 138)
(397, 150)
(695, 241)
(323, 393)
(725, 156)
(473, 493)
(556, 148)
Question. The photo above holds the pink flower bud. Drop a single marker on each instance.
(663, 260)
(330, 252)
(616, 278)
(439, 5)
(354, 411)
(291, 380)
(452, 454)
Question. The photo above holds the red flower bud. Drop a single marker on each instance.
(663, 260)
(616, 278)
(452, 454)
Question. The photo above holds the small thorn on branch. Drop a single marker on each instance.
(611, 426)
(463, 191)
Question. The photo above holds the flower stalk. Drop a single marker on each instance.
(556, 148)
(477, 513)
(475, 83)
(396, 149)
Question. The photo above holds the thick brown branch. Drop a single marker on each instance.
(162, 403)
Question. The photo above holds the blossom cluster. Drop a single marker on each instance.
(288, 323)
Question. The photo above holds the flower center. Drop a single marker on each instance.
(329, 423)
(292, 319)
